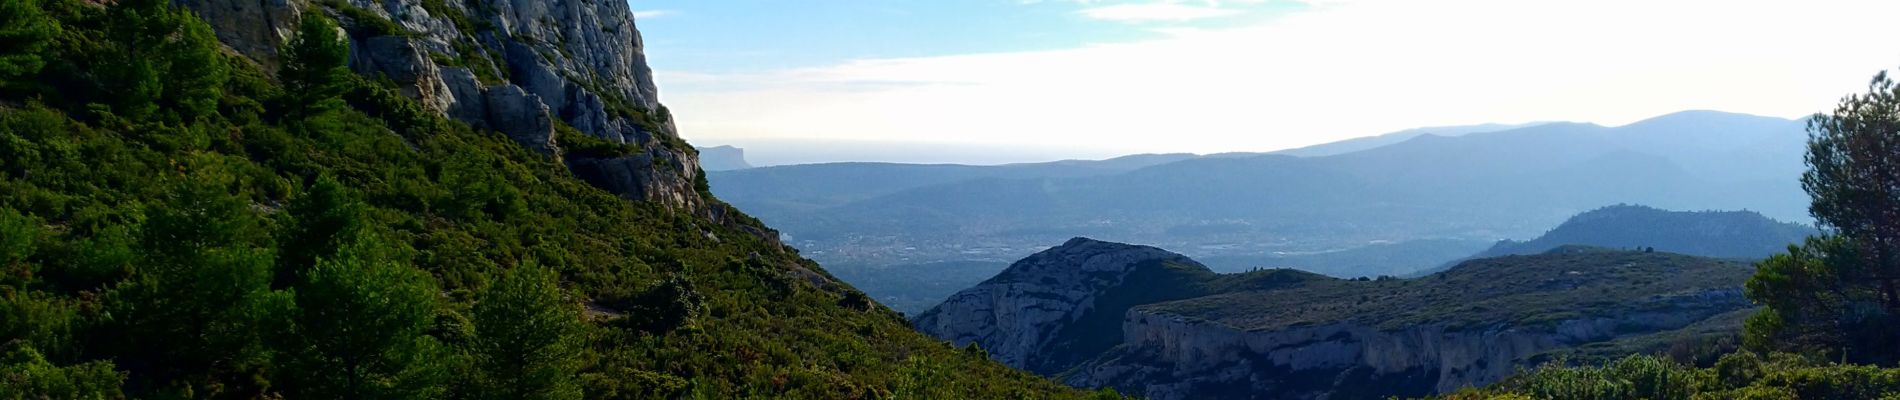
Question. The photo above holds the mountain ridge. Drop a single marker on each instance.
(1720, 234)
(1187, 333)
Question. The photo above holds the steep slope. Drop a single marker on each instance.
(1191, 334)
(175, 224)
(1723, 234)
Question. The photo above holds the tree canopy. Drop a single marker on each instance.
(1836, 295)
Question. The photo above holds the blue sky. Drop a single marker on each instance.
(1053, 79)
(729, 36)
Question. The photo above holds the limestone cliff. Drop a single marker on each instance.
(522, 68)
(1021, 316)
(1180, 332)
(1172, 357)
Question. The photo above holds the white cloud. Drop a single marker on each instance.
(1345, 68)
(1161, 11)
(650, 14)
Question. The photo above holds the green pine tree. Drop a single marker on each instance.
(527, 337)
(24, 39)
(319, 223)
(1839, 296)
(315, 71)
(194, 306)
(162, 58)
(360, 322)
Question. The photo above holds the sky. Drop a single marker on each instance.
(989, 81)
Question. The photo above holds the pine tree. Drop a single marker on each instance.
(319, 223)
(1838, 295)
(315, 69)
(360, 322)
(527, 337)
(196, 301)
(1854, 177)
(161, 58)
(24, 38)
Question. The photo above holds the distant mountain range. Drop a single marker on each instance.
(1363, 143)
(1735, 235)
(808, 187)
(1157, 324)
(1434, 194)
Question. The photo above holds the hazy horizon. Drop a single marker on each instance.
(767, 152)
(1137, 76)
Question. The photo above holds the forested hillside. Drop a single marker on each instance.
(175, 222)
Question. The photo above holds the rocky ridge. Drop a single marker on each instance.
(1187, 359)
(1285, 334)
(526, 69)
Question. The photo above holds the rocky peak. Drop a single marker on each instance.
(1031, 315)
(522, 68)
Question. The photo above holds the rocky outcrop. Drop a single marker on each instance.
(1148, 322)
(516, 67)
(1170, 357)
(1020, 315)
(252, 28)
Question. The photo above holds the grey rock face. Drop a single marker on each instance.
(403, 62)
(1169, 357)
(253, 28)
(1017, 315)
(513, 66)
(520, 115)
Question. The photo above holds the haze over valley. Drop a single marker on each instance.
(1393, 204)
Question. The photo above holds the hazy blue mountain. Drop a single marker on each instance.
(1725, 234)
(804, 186)
(1362, 143)
(722, 158)
(1472, 188)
